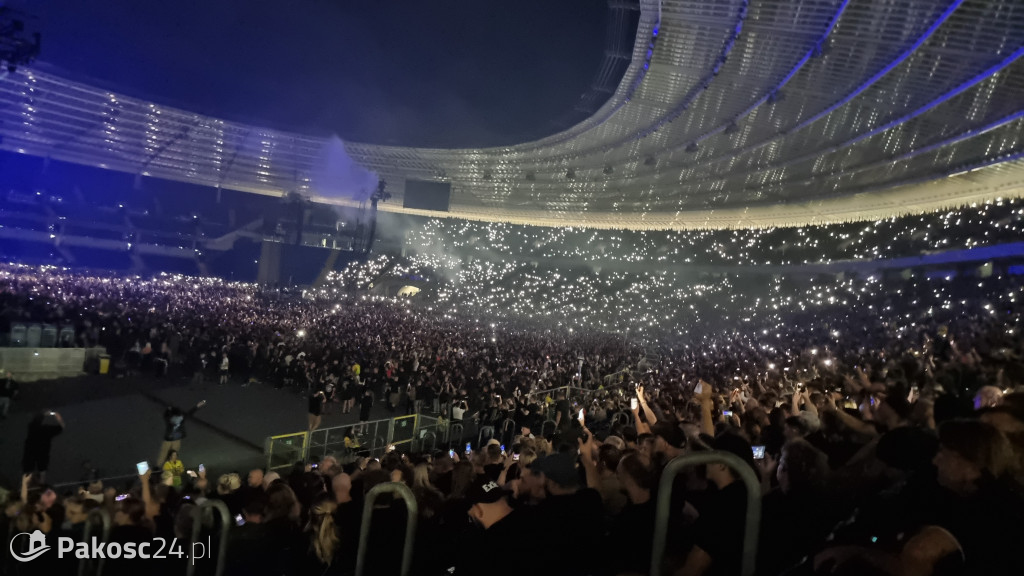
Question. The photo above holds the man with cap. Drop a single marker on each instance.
(569, 514)
(487, 553)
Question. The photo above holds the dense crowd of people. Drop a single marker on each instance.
(977, 224)
(882, 417)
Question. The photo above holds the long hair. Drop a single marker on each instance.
(321, 525)
(421, 477)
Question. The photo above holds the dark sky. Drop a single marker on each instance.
(447, 73)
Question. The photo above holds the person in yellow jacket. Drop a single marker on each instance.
(175, 467)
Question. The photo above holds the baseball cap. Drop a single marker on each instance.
(483, 490)
(673, 435)
(560, 468)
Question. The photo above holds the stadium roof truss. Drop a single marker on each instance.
(731, 113)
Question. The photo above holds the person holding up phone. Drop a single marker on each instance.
(43, 428)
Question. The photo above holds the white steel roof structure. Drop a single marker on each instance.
(731, 113)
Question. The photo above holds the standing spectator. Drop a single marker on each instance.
(718, 533)
(8, 391)
(569, 513)
(365, 404)
(500, 523)
(316, 407)
(174, 429)
(224, 365)
(43, 428)
(174, 465)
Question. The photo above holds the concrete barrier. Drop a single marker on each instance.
(30, 364)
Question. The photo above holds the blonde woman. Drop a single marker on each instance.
(429, 498)
(324, 540)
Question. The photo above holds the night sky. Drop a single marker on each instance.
(446, 73)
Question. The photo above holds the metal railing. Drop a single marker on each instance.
(411, 510)
(753, 520)
(285, 450)
(200, 515)
(374, 437)
(86, 564)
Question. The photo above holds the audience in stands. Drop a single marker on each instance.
(886, 440)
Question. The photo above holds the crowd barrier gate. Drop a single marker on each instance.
(86, 564)
(753, 520)
(199, 517)
(412, 513)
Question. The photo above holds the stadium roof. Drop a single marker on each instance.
(731, 113)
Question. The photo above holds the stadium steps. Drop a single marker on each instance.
(332, 258)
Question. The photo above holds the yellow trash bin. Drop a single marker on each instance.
(104, 364)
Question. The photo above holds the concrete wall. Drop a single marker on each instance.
(30, 364)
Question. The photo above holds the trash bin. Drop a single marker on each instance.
(104, 364)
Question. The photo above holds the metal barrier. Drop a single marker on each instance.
(620, 417)
(753, 522)
(412, 511)
(285, 450)
(104, 518)
(453, 437)
(544, 428)
(423, 439)
(199, 517)
(480, 436)
(508, 431)
(375, 437)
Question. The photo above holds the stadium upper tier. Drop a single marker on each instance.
(731, 113)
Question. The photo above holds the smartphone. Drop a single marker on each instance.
(634, 403)
(191, 473)
(120, 497)
(314, 466)
(142, 467)
(239, 520)
(469, 448)
(726, 412)
(451, 453)
(758, 452)
(202, 468)
(699, 388)
(515, 457)
(580, 415)
(502, 448)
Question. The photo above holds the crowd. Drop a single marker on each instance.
(978, 224)
(882, 418)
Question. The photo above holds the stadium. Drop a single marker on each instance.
(681, 287)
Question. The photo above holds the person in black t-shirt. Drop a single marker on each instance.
(316, 407)
(41, 431)
(487, 551)
(718, 533)
(365, 404)
(629, 540)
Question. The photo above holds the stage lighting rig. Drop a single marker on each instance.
(17, 46)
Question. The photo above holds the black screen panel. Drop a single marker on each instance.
(427, 195)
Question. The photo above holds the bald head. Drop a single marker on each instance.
(342, 487)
